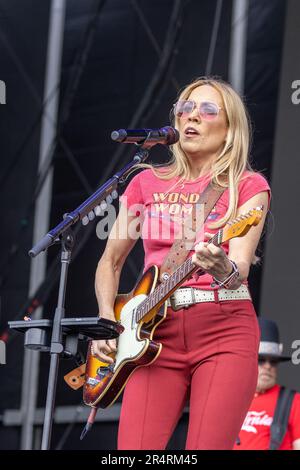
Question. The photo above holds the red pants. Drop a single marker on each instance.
(209, 357)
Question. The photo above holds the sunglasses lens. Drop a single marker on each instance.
(208, 110)
(263, 360)
(184, 108)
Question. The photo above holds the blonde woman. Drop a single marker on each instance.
(209, 354)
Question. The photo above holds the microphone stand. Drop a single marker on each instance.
(57, 348)
(63, 233)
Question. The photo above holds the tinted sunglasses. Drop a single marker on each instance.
(272, 361)
(207, 109)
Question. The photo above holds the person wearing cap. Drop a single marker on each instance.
(257, 432)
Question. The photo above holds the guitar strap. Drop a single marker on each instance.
(181, 247)
(177, 255)
(281, 417)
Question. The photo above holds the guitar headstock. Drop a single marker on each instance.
(242, 224)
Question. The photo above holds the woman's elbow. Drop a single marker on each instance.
(112, 261)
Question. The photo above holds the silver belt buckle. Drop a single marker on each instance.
(185, 306)
(173, 304)
(193, 298)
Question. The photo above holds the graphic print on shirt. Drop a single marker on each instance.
(256, 418)
(169, 212)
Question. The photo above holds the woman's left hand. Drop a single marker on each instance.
(212, 259)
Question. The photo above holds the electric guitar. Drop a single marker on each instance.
(140, 312)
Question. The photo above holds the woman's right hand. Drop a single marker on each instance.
(104, 348)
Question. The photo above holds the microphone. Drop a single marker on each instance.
(148, 137)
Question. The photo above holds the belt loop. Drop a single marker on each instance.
(193, 295)
(216, 294)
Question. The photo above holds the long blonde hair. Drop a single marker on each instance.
(231, 163)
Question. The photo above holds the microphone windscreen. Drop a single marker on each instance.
(172, 135)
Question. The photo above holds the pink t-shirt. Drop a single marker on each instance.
(162, 206)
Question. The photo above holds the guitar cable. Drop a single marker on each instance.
(89, 423)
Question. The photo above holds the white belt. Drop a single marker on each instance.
(186, 296)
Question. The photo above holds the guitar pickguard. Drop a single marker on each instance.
(129, 346)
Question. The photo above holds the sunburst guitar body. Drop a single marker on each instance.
(135, 347)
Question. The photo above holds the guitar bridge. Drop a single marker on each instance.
(92, 381)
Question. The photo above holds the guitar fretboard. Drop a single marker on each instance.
(163, 291)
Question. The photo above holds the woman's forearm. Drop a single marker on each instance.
(225, 269)
(106, 286)
(243, 268)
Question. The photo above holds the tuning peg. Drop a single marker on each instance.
(114, 194)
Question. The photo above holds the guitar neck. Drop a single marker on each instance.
(163, 291)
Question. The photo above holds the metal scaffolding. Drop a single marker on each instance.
(238, 47)
(43, 206)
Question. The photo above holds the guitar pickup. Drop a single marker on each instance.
(104, 370)
(133, 318)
